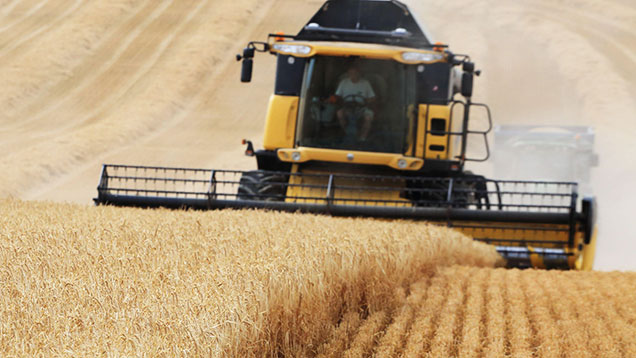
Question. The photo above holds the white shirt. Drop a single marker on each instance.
(361, 88)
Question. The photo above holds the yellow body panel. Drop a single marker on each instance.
(316, 187)
(589, 252)
(425, 139)
(346, 156)
(280, 125)
(433, 140)
(422, 114)
(375, 51)
(549, 236)
(410, 114)
(501, 232)
(352, 191)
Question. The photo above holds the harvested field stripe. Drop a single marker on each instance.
(626, 305)
(597, 326)
(364, 340)
(119, 46)
(341, 336)
(424, 324)
(574, 339)
(517, 322)
(8, 6)
(106, 51)
(24, 10)
(470, 344)
(32, 22)
(460, 320)
(620, 341)
(541, 317)
(391, 344)
(495, 342)
(451, 314)
(149, 51)
(147, 48)
(14, 48)
(154, 54)
(627, 302)
(624, 334)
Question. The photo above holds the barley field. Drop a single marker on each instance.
(155, 82)
(465, 311)
(78, 281)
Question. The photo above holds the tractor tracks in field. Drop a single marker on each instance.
(61, 117)
(15, 41)
(7, 8)
(18, 11)
(135, 50)
(613, 38)
(53, 57)
(121, 60)
(119, 92)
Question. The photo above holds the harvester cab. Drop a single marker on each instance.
(401, 106)
(369, 117)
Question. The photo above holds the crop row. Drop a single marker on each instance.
(86, 280)
(485, 312)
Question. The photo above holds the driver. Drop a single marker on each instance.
(357, 94)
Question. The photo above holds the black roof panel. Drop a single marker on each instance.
(371, 21)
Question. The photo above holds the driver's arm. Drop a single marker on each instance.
(369, 94)
(336, 98)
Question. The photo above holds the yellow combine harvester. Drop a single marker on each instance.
(370, 118)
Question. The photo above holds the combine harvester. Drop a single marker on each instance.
(367, 120)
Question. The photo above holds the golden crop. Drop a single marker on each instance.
(483, 312)
(77, 281)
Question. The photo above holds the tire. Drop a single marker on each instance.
(468, 190)
(262, 186)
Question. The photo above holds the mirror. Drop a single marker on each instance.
(246, 70)
(467, 84)
(248, 63)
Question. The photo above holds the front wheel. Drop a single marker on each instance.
(263, 186)
(467, 191)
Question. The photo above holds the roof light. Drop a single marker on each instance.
(292, 49)
(418, 57)
(400, 31)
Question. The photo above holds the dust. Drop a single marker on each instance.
(571, 69)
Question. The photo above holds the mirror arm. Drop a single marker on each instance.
(247, 58)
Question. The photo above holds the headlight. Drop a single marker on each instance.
(292, 49)
(296, 156)
(421, 57)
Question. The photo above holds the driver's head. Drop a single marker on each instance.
(354, 73)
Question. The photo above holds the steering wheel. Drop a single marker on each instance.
(354, 101)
